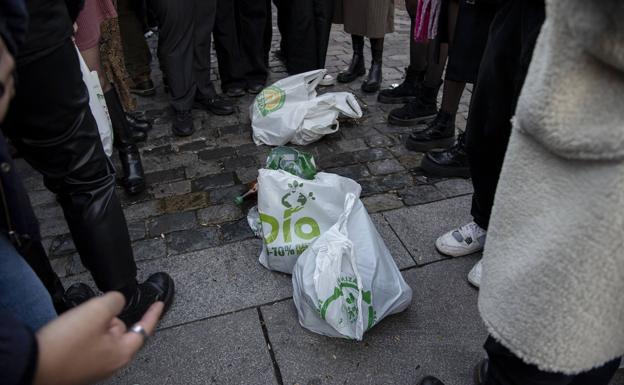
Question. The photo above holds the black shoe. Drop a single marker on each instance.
(77, 294)
(138, 123)
(235, 92)
(423, 109)
(215, 104)
(143, 88)
(183, 123)
(430, 380)
(373, 82)
(133, 180)
(405, 92)
(138, 135)
(480, 372)
(451, 163)
(158, 287)
(439, 133)
(356, 68)
(255, 89)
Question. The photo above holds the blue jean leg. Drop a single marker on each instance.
(21, 292)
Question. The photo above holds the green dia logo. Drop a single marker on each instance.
(347, 287)
(270, 99)
(305, 228)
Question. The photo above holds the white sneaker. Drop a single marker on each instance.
(474, 277)
(327, 81)
(465, 240)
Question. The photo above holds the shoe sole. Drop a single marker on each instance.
(149, 92)
(390, 100)
(182, 134)
(430, 145)
(410, 122)
(433, 169)
(236, 95)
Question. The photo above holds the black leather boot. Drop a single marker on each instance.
(373, 82)
(439, 133)
(423, 109)
(158, 287)
(356, 68)
(133, 179)
(120, 117)
(450, 163)
(405, 92)
(138, 123)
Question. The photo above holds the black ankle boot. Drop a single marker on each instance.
(373, 82)
(439, 133)
(158, 287)
(451, 163)
(356, 68)
(423, 109)
(133, 179)
(405, 92)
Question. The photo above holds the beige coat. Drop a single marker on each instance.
(553, 271)
(370, 18)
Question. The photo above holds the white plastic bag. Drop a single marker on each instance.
(97, 104)
(290, 111)
(346, 281)
(295, 211)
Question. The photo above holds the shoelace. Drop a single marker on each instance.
(471, 231)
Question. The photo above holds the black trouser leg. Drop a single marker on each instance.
(184, 47)
(137, 55)
(252, 17)
(503, 68)
(323, 15)
(229, 55)
(51, 125)
(283, 15)
(504, 368)
(308, 34)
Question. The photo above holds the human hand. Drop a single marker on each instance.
(89, 343)
(7, 82)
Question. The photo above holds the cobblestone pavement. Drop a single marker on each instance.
(233, 322)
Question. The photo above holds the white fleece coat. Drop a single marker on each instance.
(553, 271)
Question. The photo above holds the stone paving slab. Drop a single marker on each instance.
(401, 256)
(441, 334)
(215, 281)
(227, 350)
(418, 227)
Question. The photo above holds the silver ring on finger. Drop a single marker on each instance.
(138, 329)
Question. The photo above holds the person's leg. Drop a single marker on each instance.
(206, 96)
(324, 11)
(133, 178)
(356, 68)
(503, 69)
(229, 57)
(505, 368)
(52, 127)
(373, 82)
(136, 52)
(409, 89)
(283, 25)
(252, 17)
(21, 292)
(301, 37)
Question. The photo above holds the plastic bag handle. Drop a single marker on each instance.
(313, 78)
(350, 199)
